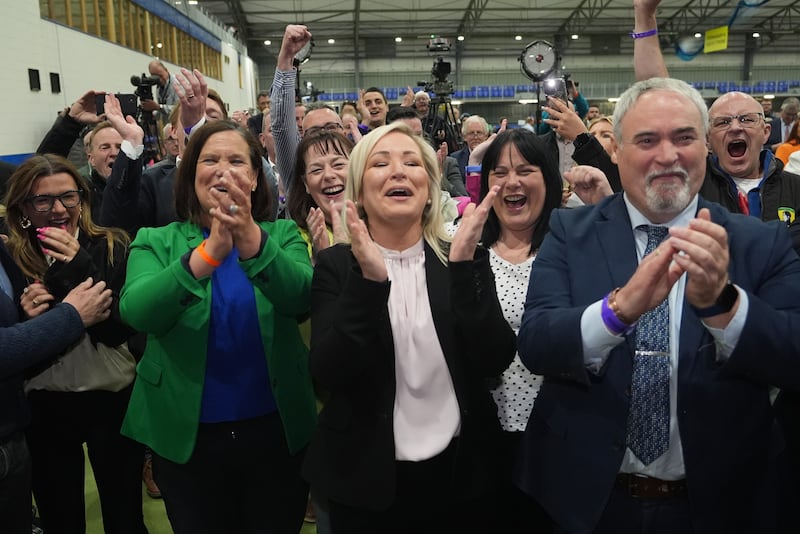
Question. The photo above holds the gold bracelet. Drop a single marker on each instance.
(612, 304)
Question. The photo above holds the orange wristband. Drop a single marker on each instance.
(205, 256)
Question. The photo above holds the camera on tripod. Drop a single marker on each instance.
(144, 86)
(441, 69)
(147, 120)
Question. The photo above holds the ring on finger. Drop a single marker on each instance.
(233, 208)
(189, 96)
(35, 301)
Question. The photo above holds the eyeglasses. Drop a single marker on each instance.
(475, 134)
(45, 203)
(328, 127)
(170, 140)
(746, 120)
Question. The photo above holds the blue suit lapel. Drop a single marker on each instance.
(616, 240)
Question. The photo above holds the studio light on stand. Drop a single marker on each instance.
(537, 61)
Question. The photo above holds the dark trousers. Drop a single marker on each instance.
(240, 478)
(425, 503)
(61, 424)
(516, 511)
(628, 515)
(15, 485)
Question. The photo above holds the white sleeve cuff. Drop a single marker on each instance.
(133, 152)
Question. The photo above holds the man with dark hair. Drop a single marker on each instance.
(373, 106)
(255, 123)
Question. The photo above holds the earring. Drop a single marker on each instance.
(25, 222)
(429, 202)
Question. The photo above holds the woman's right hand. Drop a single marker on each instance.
(469, 231)
(365, 250)
(317, 230)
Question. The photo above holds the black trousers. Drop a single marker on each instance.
(628, 515)
(15, 485)
(61, 424)
(425, 503)
(515, 511)
(240, 478)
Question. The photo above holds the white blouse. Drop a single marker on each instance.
(426, 413)
(518, 387)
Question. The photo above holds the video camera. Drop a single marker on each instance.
(144, 85)
(441, 69)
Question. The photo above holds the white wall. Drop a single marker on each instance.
(83, 62)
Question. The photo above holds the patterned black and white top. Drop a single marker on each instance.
(518, 387)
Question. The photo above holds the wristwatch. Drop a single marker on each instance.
(723, 304)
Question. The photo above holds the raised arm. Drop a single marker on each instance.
(648, 61)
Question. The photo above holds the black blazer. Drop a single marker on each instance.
(351, 458)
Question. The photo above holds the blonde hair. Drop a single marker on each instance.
(432, 221)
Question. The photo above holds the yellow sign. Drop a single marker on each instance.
(716, 39)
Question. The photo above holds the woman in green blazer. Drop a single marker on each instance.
(223, 395)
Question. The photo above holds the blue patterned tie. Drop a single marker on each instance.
(648, 420)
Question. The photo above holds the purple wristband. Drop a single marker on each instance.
(642, 35)
(612, 322)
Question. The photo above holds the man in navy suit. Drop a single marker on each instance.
(731, 284)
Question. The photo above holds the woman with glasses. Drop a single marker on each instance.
(82, 397)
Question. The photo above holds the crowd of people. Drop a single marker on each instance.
(583, 326)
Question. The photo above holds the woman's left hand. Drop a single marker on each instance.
(233, 211)
(471, 228)
(36, 300)
(58, 243)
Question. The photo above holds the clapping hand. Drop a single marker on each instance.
(192, 90)
(471, 228)
(364, 249)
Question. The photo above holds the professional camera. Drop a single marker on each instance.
(440, 84)
(440, 123)
(144, 85)
(147, 120)
(441, 69)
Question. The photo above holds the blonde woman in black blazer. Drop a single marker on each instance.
(406, 328)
